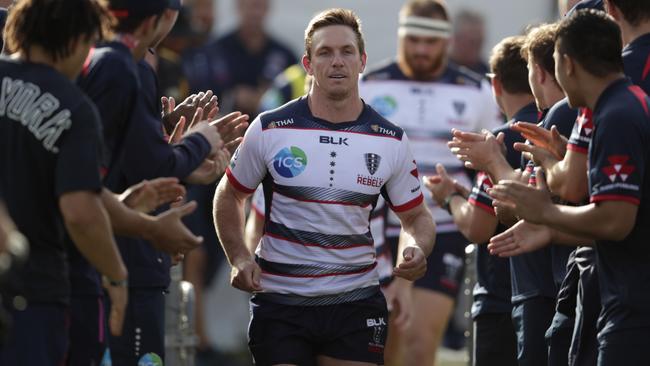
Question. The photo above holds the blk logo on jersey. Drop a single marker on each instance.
(384, 105)
(372, 162)
(290, 162)
(618, 168)
(333, 140)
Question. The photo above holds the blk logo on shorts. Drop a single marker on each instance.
(372, 162)
(371, 322)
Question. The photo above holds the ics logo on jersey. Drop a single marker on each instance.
(384, 105)
(290, 162)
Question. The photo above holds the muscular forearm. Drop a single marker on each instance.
(229, 220)
(125, 221)
(92, 234)
(568, 178)
(420, 231)
(474, 223)
(562, 238)
(607, 221)
(500, 169)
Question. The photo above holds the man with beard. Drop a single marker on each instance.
(427, 97)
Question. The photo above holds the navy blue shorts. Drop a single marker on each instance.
(38, 336)
(143, 334)
(624, 347)
(87, 330)
(287, 334)
(531, 318)
(445, 265)
(584, 345)
(494, 340)
(558, 339)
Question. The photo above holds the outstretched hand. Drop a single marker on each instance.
(172, 113)
(477, 150)
(521, 238)
(551, 141)
(148, 195)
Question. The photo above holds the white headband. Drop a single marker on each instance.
(424, 27)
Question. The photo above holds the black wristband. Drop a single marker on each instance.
(113, 283)
(447, 201)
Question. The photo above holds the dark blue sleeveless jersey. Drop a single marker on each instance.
(619, 155)
(492, 292)
(50, 145)
(540, 273)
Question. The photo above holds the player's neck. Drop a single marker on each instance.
(335, 110)
(552, 95)
(412, 75)
(37, 55)
(631, 33)
(595, 87)
(513, 103)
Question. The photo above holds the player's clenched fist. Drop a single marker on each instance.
(245, 275)
(414, 265)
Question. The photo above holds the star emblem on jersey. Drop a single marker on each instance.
(585, 122)
(372, 162)
(618, 168)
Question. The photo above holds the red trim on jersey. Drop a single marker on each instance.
(408, 205)
(328, 130)
(482, 205)
(640, 95)
(235, 183)
(314, 244)
(322, 202)
(646, 69)
(615, 197)
(84, 71)
(576, 148)
(370, 268)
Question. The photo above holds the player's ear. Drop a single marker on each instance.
(569, 65)
(306, 64)
(540, 72)
(364, 59)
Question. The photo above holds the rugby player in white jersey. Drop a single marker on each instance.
(323, 160)
(427, 96)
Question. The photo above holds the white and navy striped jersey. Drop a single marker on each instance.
(321, 181)
(427, 111)
(377, 230)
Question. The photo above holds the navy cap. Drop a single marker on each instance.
(129, 8)
(587, 4)
(174, 5)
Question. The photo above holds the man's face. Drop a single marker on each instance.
(534, 78)
(566, 81)
(253, 13)
(335, 61)
(423, 55)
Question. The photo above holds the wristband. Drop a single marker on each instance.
(120, 283)
(447, 201)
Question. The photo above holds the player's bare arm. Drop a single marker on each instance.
(419, 233)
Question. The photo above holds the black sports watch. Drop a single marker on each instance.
(120, 283)
(447, 201)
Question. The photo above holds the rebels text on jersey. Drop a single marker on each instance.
(321, 181)
(618, 159)
(427, 111)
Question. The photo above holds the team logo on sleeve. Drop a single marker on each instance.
(372, 162)
(585, 123)
(618, 168)
(290, 162)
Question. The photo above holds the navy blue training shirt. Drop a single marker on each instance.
(146, 154)
(492, 292)
(50, 145)
(110, 79)
(618, 160)
(540, 273)
(636, 60)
